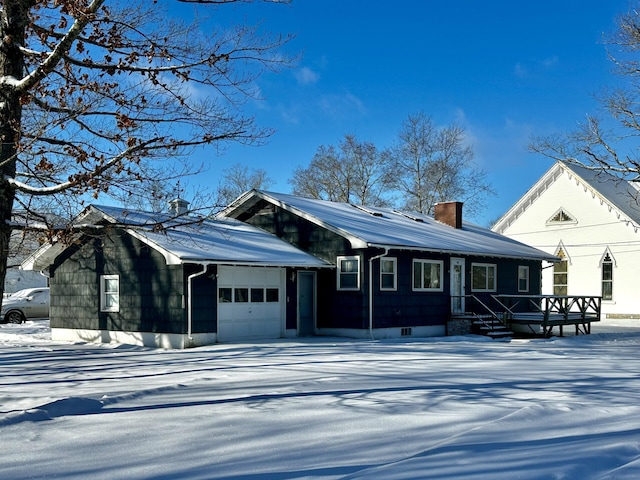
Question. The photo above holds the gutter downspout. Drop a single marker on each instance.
(205, 266)
(386, 252)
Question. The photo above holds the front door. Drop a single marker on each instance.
(457, 285)
(306, 303)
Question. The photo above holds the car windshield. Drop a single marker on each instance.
(22, 294)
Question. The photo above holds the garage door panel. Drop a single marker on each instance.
(252, 307)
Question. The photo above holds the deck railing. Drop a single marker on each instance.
(546, 311)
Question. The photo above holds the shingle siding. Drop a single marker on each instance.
(150, 291)
(403, 307)
(298, 231)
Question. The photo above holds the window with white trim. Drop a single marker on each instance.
(561, 274)
(348, 273)
(607, 277)
(388, 273)
(523, 278)
(561, 216)
(427, 275)
(109, 293)
(483, 277)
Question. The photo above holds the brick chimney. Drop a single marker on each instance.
(449, 213)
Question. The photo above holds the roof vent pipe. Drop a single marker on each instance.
(449, 213)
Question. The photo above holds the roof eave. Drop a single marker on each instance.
(254, 264)
(541, 257)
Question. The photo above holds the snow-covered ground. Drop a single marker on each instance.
(444, 408)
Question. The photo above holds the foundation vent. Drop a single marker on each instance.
(405, 332)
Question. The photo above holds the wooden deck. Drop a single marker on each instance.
(539, 314)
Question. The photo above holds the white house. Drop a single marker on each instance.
(592, 221)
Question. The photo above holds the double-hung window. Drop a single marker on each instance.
(483, 277)
(388, 273)
(348, 273)
(427, 275)
(523, 278)
(109, 293)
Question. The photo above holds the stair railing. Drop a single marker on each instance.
(496, 316)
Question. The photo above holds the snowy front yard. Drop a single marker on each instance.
(445, 408)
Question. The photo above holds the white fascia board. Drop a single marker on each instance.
(622, 216)
(356, 242)
(238, 201)
(547, 179)
(43, 257)
(169, 257)
(254, 264)
(173, 259)
(461, 253)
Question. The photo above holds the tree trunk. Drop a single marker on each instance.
(13, 22)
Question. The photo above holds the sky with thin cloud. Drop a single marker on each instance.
(504, 70)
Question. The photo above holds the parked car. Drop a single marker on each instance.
(27, 303)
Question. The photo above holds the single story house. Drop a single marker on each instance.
(591, 220)
(274, 265)
(396, 273)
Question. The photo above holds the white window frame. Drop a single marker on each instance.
(523, 274)
(340, 273)
(565, 218)
(607, 259)
(487, 287)
(105, 295)
(561, 271)
(422, 262)
(393, 261)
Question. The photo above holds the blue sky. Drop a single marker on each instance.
(504, 70)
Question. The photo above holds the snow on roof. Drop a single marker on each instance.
(384, 227)
(224, 241)
(620, 193)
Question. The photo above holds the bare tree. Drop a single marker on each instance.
(353, 171)
(432, 164)
(608, 142)
(93, 91)
(237, 179)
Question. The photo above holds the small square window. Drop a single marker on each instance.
(257, 295)
(224, 295)
(241, 295)
(273, 295)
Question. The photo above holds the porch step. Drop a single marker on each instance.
(492, 328)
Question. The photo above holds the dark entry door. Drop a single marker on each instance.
(306, 304)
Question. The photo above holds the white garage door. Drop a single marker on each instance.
(250, 303)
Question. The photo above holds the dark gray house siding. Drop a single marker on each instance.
(406, 307)
(335, 308)
(297, 231)
(151, 292)
(403, 307)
